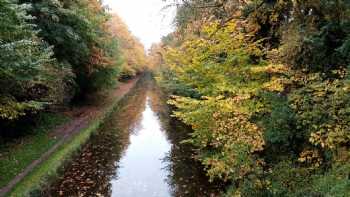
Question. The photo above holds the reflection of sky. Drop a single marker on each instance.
(141, 171)
(145, 18)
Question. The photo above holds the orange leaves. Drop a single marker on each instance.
(131, 48)
(98, 58)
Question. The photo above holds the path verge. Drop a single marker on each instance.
(71, 136)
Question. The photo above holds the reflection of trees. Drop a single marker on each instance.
(90, 172)
(186, 177)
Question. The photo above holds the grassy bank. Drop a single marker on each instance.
(48, 170)
(17, 154)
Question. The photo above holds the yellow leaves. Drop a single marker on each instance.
(316, 138)
(219, 68)
(322, 108)
(10, 112)
(237, 129)
(275, 76)
(311, 157)
(212, 28)
(219, 124)
(275, 85)
(221, 63)
(240, 98)
(331, 137)
(271, 69)
(11, 109)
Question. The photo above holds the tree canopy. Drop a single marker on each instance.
(54, 52)
(265, 87)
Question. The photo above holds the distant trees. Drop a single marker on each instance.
(265, 87)
(132, 50)
(155, 56)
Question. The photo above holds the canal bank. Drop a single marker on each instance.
(71, 136)
(137, 151)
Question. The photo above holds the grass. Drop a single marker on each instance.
(48, 170)
(18, 154)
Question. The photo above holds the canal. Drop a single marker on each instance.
(136, 152)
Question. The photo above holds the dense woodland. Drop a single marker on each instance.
(265, 85)
(56, 52)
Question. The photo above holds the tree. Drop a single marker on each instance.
(77, 31)
(28, 73)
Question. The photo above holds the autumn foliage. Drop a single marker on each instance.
(265, 87)
(54, 52)
(133, 52)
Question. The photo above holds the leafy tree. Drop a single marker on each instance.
(28, 73)
(222, 68)
(78, 32)
(264, 85)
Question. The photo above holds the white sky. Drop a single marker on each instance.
(145, 18)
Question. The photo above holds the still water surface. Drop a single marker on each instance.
(141, 167)
(137, 152)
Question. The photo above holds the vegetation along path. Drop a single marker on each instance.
(81, 118)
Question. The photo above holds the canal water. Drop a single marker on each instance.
(136, 153)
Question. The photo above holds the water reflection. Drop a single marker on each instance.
(185, 174)
(140, 172)
(137, 152)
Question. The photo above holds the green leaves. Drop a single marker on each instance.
(25, 62)
(221, 68)
(323, 110)
(78, 32)
(11, 109)
(83, 53)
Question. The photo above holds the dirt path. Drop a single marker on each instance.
(81, 117)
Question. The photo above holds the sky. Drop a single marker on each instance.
(146, 19)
